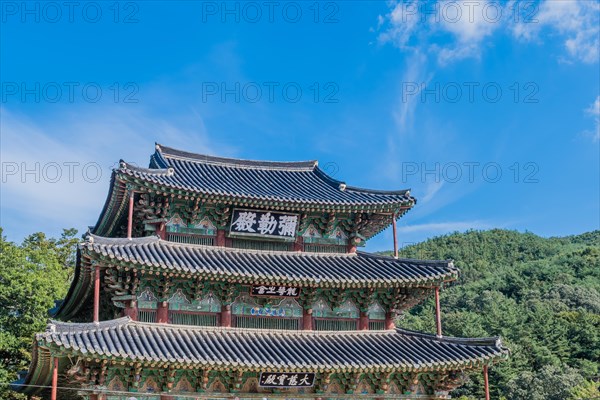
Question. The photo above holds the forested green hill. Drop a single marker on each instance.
(541, 295)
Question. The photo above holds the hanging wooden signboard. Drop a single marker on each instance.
(286, 379)
(274, 291)
(271, 224)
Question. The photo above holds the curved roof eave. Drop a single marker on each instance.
(402, 347)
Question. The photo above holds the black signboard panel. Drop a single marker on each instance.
(271, 224)
(286, 379)
(275, 291)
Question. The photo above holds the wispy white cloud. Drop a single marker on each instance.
(417, 25)
(576, 23)
(594, 111)
(431, 190)
(412, 81)
(594, 108)
(56, 173)
(414, 76)
(453, 31)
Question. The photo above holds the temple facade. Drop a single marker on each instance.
(209, 277)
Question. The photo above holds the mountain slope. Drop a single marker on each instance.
(542, 295)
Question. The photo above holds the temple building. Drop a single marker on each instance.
(208, 277)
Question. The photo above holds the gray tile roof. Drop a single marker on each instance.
(256, 266)
(302, 183)
(269, 349)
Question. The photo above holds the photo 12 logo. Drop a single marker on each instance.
(470, 92)
(53, 12)
(69, 92)
(51, 172)
(469, 171)
(468, 11)
(253, 12)
(270, 91)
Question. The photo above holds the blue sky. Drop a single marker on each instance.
(488, 111)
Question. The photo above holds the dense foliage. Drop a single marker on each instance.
(32, 275)
(542, 296)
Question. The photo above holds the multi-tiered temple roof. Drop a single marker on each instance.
(299, 186)
(214, 277)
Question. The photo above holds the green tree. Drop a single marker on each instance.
(32, 276)
(588, 390)
(549, 383)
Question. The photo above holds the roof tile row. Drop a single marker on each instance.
(270, 349)
(300, 268)
(297, 182)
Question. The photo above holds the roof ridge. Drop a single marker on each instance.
(483, 341)
(380, 191)
(433, 263)
(287, 332)
(254, 251)
(154, 171)
(91, 239)
(57, 327)
(156, 239)
(61, 326)
(170, 153)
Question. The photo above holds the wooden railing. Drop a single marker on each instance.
(241, 321)
(187, 238)
(261, 245)
(376, 325)
(193, 318)
(147, 315)
(324, 248)
(330, 324)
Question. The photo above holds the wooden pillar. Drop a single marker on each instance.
(389, 321)
(97, 293)
(438, 315)
(299, 244)
(162, 231)
(131, 310)
(130, 216)
(351, 248)
(486, 382)
(363, 323)
(95, 396)
(221, 237)
(307, 320)
(162, 312)
(54, 379)
(226, 316)
(166, 397)
(395, 236)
